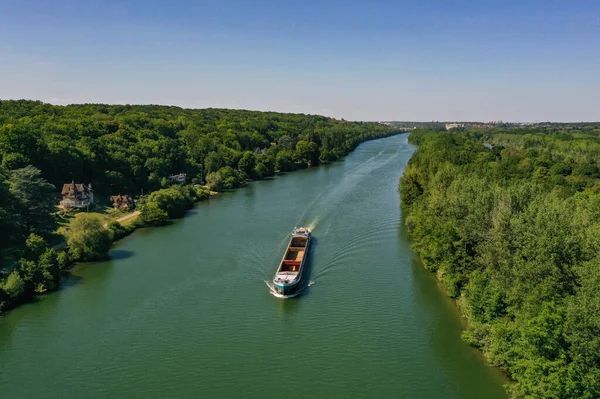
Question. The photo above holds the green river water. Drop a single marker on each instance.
(184, 311)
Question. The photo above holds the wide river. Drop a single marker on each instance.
(184, 311)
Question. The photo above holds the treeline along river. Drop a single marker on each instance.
(184, 311)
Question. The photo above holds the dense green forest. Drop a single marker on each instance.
(509, 219)
(130, 149)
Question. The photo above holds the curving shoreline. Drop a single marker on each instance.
(118, 231)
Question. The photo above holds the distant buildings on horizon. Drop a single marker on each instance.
(455, 126)
(462, 125)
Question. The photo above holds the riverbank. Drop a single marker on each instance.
(412, 189)
(43, 268)
(510, 234)
(156, 209)
(136, 149)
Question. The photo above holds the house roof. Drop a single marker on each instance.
(120, 197)
(72, 188)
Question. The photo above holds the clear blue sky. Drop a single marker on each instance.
(358, 60)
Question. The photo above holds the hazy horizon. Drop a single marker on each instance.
(518, 61)
(350, 120)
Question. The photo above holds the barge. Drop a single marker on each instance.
(288, 277)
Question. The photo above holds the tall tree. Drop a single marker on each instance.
(6, 217)
(247, 164)
(33, 201)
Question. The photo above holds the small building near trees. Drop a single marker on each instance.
(177, 179)
(76, 196)
(122, 201)
(450, 126)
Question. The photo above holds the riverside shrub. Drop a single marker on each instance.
(87, 239)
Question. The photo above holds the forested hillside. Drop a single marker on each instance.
(130, 147)
(510, 222)
(124, 149)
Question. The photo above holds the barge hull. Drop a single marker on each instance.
(290, 274)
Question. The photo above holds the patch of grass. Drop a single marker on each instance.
(129, 221)
(104, 213)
